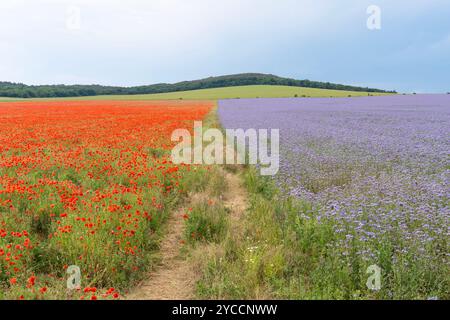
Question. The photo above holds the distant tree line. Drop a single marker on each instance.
(19, 90)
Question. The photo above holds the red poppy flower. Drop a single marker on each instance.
(31, 281)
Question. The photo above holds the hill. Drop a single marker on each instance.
(19, 90)
(257, 91)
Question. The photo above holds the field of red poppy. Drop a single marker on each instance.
(88, 184)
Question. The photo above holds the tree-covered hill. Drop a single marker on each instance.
(19, 90)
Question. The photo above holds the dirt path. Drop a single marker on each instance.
(235, 198)
(175, 277)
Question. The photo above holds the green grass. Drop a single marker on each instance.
(6, 99)
(256, 91)
(282, 252)
(207, 222)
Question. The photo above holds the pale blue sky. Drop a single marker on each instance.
(142, 42)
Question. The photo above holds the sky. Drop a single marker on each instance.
(138, 42)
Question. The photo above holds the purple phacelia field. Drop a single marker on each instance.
(376, 168)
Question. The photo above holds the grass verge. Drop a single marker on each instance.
(280, 251)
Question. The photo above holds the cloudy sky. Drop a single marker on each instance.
(137, 42)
